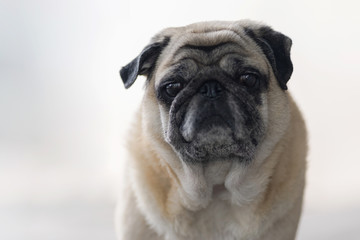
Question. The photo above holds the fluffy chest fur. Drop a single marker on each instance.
(219, 220)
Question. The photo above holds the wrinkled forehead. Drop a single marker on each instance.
(191, 50)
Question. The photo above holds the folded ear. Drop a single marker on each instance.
(276, 47)
(144, 63)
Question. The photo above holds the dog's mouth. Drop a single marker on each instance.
(204, 120)
(210, 134)
(206, 129)
(212, 121)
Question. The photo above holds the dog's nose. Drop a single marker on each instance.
(211, 89)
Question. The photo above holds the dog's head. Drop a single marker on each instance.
(217, 85)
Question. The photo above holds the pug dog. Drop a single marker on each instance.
(217, 150)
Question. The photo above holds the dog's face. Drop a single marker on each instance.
(213, 83)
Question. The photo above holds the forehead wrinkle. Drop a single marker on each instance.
(203, 57)
(204, 37)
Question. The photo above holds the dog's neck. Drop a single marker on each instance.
(199, 184)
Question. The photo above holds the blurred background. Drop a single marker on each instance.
(64, 113)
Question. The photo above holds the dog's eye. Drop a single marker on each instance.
(250, 80)
(172, 89)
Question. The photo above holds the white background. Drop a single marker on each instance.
(64, 112)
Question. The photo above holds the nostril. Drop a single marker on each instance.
(204, 89)
(218, 88)
(211, 89)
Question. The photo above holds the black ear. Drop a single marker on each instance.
(142, 64)
(276, 47)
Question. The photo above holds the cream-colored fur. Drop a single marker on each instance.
(166, 198)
